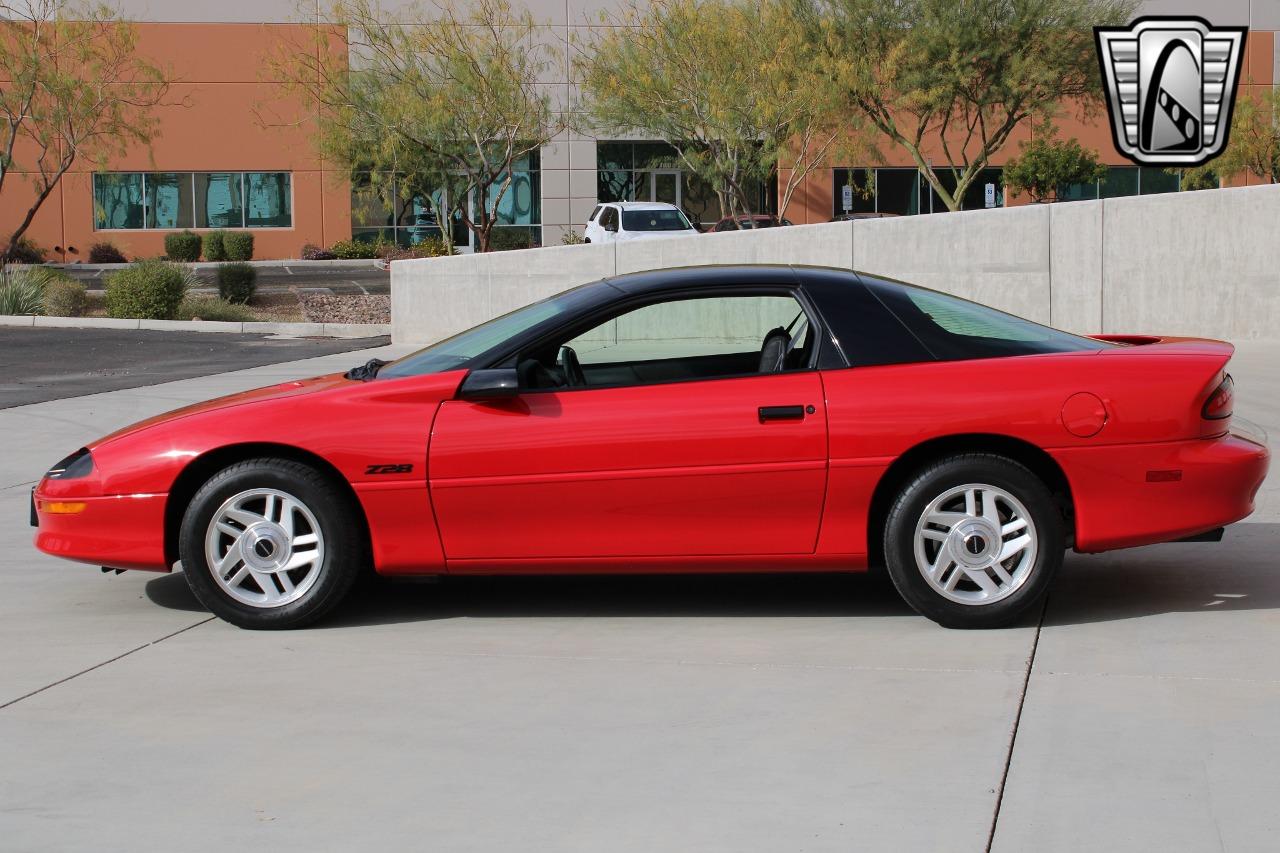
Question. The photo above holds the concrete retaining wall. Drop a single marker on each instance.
(1195, 263)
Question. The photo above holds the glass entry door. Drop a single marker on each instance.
(665, 187)
(662, 185)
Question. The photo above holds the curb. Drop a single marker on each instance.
(293, 330)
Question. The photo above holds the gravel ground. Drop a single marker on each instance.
(320, 308)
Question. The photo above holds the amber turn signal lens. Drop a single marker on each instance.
(62, 507)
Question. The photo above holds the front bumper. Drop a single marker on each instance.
(119, 531)
(1141, 494)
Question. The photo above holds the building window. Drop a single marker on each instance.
(268, 200)
(1124, 181)
(171, 200)
(219, 199)
(118, 201)
(387, 209)
(653, 171)
(905, 192)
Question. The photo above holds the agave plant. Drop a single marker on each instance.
(22, 288)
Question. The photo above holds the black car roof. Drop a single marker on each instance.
(680, 278)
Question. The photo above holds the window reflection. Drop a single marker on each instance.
(173, 200)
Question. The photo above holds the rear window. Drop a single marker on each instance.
(654, 220)
(951, 328)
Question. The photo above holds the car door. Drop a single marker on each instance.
(675, 447)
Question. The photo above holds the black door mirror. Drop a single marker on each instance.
(490, 384)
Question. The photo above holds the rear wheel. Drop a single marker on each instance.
(974, 541)
(271, 543)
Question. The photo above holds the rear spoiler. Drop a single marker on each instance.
(1172, 345)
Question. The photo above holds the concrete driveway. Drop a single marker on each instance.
(1138, 712)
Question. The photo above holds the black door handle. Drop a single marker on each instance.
(781, 413)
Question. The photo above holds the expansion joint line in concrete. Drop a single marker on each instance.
(1017, 721)
(105, 662)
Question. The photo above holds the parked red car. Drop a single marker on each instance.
(717, 419)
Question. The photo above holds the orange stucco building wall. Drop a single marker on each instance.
(223, 112)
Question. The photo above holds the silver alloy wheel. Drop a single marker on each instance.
(264, 548)
(975, 544)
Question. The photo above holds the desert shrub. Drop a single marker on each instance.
(1046, 164)
(106, 253)
(183, 246)
(315, 253)
(429, 248)
(27, 252)
(212, 308)
(22, 288)
(148, 290)
(64, 297)
(353, 250)
(572, 238)
(238, 245)
(506, 239)
(215, 246)
(237, 282)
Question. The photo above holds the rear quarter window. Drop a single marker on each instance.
(879, 321)
(951, 328)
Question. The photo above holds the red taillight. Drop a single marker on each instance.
(1220, 402)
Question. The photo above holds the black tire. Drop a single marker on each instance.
(933, 481)
(339, 522)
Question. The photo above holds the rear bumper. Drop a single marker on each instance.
(122, 531)
(1141, 494)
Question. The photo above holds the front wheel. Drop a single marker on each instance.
(974, 541)
(270, 543)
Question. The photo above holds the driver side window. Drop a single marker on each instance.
(680, 339)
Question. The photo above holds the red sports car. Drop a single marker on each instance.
(715, 419)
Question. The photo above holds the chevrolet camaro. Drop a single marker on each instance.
(714, 419)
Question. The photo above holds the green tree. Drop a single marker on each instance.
(1254, 144)
(1046, 163)
(445, 96)
(734, 86)
(77, 91)
(957, 77)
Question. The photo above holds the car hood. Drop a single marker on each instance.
(293, 388)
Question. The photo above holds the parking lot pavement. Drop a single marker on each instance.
(46, 364)
(693, 714)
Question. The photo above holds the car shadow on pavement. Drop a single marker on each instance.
(1239, 573)
(381, 601)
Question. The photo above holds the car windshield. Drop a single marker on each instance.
(454, 353)
(654, 220)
